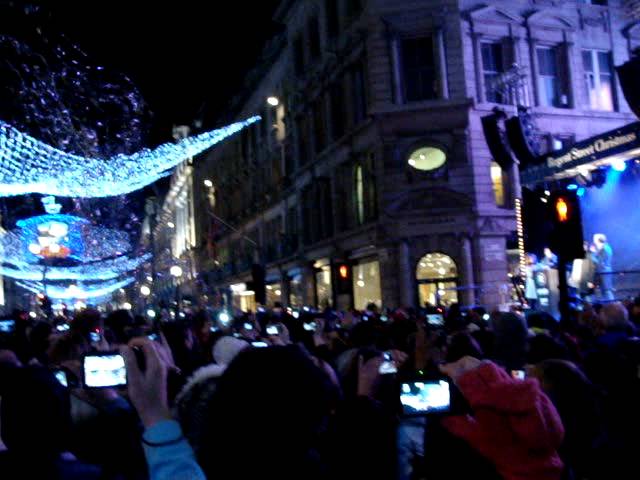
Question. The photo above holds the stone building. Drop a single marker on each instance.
(371, 155)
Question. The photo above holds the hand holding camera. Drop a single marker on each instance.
(148, 387)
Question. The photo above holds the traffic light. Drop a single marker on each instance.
(344, 283)
(567, 240)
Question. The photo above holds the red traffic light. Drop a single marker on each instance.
(343, 271)
(562, 210)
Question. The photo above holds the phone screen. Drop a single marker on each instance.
(259, 344)
(154, 337)
(272, 330)
(421, 398)
(7, 326)
(248, 326)
(310, 326)
(107, 370)
(63, 327)
(388, 365)
(435, 319)
(518, 374)
(61, 376)
(94, 337)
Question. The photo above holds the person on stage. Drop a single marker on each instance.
(602, 258)
(530, 289)
(550, 259)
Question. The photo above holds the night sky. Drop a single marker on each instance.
(187, 58)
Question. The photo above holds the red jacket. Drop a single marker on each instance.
(514, 425)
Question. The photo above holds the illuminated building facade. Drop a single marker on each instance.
(372, 154)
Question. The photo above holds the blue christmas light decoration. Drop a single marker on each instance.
(77, 292)
(101, 270)
(85, 242)
(30, 166)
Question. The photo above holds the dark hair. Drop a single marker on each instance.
(462, 345)
(35, 414)
(278, 383)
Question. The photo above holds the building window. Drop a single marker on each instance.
(359, 94)
(497, 181)
(319, 125)
(492, 68)
(366, 285)
(437, 277)
(598, 77)
(314, 38)
(333, 18)
(324, 293)
(298, 55)
(427, 159)
(274, 294)
(336, 98)
(303, 144)
(359, 194)
(551, 85)
(419, 71)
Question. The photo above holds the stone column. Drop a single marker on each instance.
(468, 296)
(405, 274)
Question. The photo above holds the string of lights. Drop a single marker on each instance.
(30, 166)
(102, 270)
(75, 292)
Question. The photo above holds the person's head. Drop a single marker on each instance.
(86, 321)
(35, 414)
(547, 252)
(532, 259)
(614, 316)
(599, 240)
(510, 339)
(281, 386)
(462, 345)
(228, 348)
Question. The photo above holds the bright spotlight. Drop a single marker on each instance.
(619, 165)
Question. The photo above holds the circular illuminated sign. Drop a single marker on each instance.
(427, 158)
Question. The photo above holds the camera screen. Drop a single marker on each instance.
(518, 374)
(259, 344)
(63, 327)
(154, 337)
(425, 397)
(7, 326)
(61, 376)
(272, 330)
(310, 326)
(248, 326)
(94, 337)
(104, 371)
(435, 319)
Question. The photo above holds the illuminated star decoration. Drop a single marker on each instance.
(30, 166)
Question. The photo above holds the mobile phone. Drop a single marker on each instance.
(425, 397)
(154, 337)
(435, 319)
(61, 376)
(384, 318)
(259, 344)
(518, 374)
(7, 326)
(272, 330)
(247, 326)
(103, 370)
(388, 365)
(94, 337)
(62, 327)
(486, 317)
(310, 326)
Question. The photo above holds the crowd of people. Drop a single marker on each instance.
(316, 395)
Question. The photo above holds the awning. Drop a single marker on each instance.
(620, 144)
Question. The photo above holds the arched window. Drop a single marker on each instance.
(497, 181)
(359, 194)
(437, 277)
